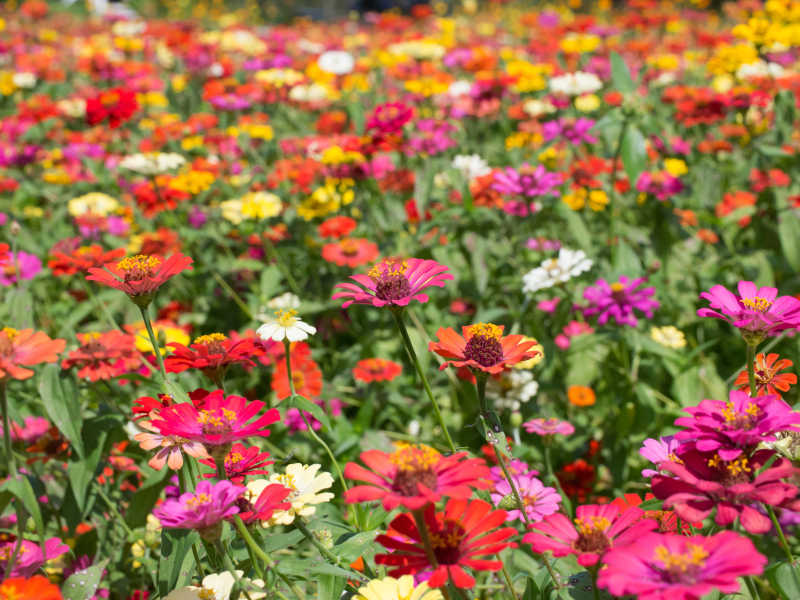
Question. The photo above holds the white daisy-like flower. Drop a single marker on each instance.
(152, 163)
(552, 271)
(285, 325)
(575, 84)
(218, 586)
(336, 62)
(471, 166)
(306, 485)
(513, 389)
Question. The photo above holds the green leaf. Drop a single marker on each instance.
(19, 303)
(176, 561)
(788, 231)
(626, 261)
(305, 404)
(634, 154)
(145, 499)
(20, 487)
(783, 580)
(580, 233)
(330, 587)
(621, 75)
(83, 584)
(60, 399)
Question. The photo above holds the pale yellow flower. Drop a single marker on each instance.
(255, 206)
(668, 336)
(96, 203)
(390, 588)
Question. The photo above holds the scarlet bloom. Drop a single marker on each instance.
(376, 369)
(460, 535)
(596, 529)
(103, 355)
(413, 476)
(736, 201)
(241, 462)
(25, 347)
(336, 227)
(306, 376)
(394, 282)
(762, 180)
(38, 587)
(156, 198)
(222, 420)
(141, 275)
(350, 252)
(212, 354)
(482, 347)
(769, 380)
(116, 106)
(82, 259)
(272, 498)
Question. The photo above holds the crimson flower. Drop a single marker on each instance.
(394, 282)
(25, 347)
(82, 259)
(413, 476)
(482, 347)
(596, 529)
(116, 105)
(376, 369)
(769, 379)
(103, 355)
(271, 498)
(212, 354)
(460, 535)
(241, 462)
(141, 275)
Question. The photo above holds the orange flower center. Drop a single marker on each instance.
(592, 534)
(109, 99)
(415, 464)
(349, 247)
(7, 335)
(733, 471)
(757, 303)
(681, 566)
(298, 379)
(139, 267)
(483, 345)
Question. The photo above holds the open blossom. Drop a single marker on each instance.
(102, 356)
(82, 259)
(30, 558)
(569, 264)
(203, 509)
(575, 131)
(413, 476)
(389, 118)
(662, 450)
(402, 588)
(305, 483)
(241, 462)
(115, 106)
(461, 535)
(550, 426)
(736, 426)
(25, 347)
(596, 529)
(376, 369)
(212, 354)
(217, 586)
(262, 500)
(757, 311)
(619, 300)
(660, 184)
(17, 266)
(769, 379)
(661, 566)
(169, 448)
(141, 275)
(539, 500)
(38, 587)
(350, 252)
(526, 181)
(483, 347)
(394, 282)
(286, 325)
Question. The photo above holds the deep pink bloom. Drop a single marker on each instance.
(597, 528)
(575, 131)
(389, 118)
(703, 481)
(660, 184)
(571, 330)
(738, 425)
(515, 466)
(663, 566)
(30, 557)
(662, 450)
(758, 312)
(394, 282)
(526, 181)
(219, 421)
(431, 137)
(32, 429)
(202, 509)
(539, 500)
(16, 266)
(619, 299)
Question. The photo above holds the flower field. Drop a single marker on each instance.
(482, 301)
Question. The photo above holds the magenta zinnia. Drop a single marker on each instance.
(203, 510)
(394, 282)
(619, 300)
(661, 566)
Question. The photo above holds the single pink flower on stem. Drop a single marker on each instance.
(203, 510)
(539, 500)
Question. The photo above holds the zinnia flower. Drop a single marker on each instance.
(305, 483)
(30, 557)
(483, 347)
(757, 312)
(306, 377)
(460, 535)
(203, 510)
(376, 369)
(116, 105)
(241, 462)
(413, 476)
(394, 282)
(140, 276)
(403, 588)
(553, 271)
(170, 447)
(350, 252)
(287, 326)
(82, 259)
(25, 347)
(16, 266)
(212, 354)
(619, 300)
(102, 356)
(38, 586)
(597, 528)
(538, 500)
(674, 567)
(662, 450)
(265, 499)
(550, 426)
(769, 380)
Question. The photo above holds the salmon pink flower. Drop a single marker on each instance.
(413, 476)
(597, 528)
(350, 252)
(758, 312)
(212, 354)
(376, 369)
(661, 566)
(460, 535)
(30, 557)
(170, 448)
(769, 380)
(203, 510)
(102, 356)
(25, 347)
(394, 282)
(482, 347)
(141, 275)
(619, 299)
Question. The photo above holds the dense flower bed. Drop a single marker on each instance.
(478, 303)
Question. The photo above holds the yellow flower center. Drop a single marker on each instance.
(486, 330)
(10, 332)
(617, 286)
(198, 500)
(757, 303)
(211, 339)
(592, 525)
(743, 420)
(286, 318)
(216, 421)
(682, 563)
(138, 267)
(415, 463)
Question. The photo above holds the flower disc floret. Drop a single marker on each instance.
(482, 347)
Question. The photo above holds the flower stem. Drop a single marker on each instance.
(751, 587)
(21, 518)
(751, 368)
(154, 343)
(507, 577)
(398, 319)
(318, 545)
(548, 465)
(781, 537)
(9, 453)
(422, 527)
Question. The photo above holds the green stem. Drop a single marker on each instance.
(751, 587)
(398, 319)
(422, 527)
(322, 549)
(548, 465)
(221, 473)
(228, 564)
(9, 453)
(751, 368)
(156, 347)
(232, 293)
(251, 544)
(781, 537)
(113, 508)
(507, 577)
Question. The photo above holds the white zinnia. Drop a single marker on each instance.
(154, 163)
(471, 166)
(217, 586)
(512, 389)
(575, 84)
(336, 62)
(306, 486)
(556, 270)
(285, 325)
(24, 80)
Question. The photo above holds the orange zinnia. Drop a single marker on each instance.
(768, 378)
(17, 588)
(581, 395)
(25, 347)
(482, 347)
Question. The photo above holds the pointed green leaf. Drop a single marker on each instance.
(634, 154)
(83, 584)
(60, 399)
(621, 75)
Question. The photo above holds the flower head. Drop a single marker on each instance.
(30, 557)
(82, 259)
(103, 355)
(263, 499)
(769, 379)
(619, 300)
(16, 266)
(203, 509)
(241, 462)
(25, 347)
(668, 336)
(285, 325)
(376, 369)
(537, 499)
(350, 252)
(662, 450)
(115, 105)
(482, 347)
(169, 448)
(212, 353)
(569, 264)
(141, 275)
(402, 588)
(394, 282)
(550, 426)
(305, 483)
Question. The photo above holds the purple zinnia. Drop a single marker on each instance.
(551, 426)
(757, 312)
(575, 131)
(19, 265)
(660, 184)
(619, 299)
(526, 181)
(204, 509)
(539, 501)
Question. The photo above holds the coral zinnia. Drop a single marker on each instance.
(82, 259)
(38, 587)
(413, 476)
(673, 567)
(769, 380)
(306, 376)
(212, 354)
(482, 347)
(103, 355)
(241, 462)
(394, 282)
(141, 275)
(204, 509)
(25, 347)
(463, 532)
(376, 369)
(597, 528)
(350, 252)
(170, 447)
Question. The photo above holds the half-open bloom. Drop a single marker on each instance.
(483, 347)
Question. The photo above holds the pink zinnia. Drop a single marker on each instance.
(551, 426)
(30, 557)
(539, 500)
(389, 118)
(661, 566)
(757, 312)
(526, 181)
(662, 450)
(394, 282)
(619, 300)
(203, 510)
(597, 528)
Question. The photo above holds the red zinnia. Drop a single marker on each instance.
(350, 252)
(116, 105)
(103, 355)
(462, 533)
(376, 369)
(482, 347)
(413, 476)
(306, 376)
(271, 498)
(82, 259)
(336, 227)
(140, 276)
(212, 354)
(768, 379)
(241, 462)
(25, 347)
